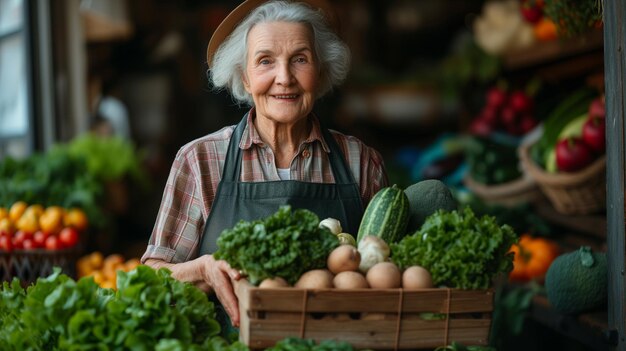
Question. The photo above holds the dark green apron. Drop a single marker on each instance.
(236, 200)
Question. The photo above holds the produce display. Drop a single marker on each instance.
(508, 112)
(32, 227)
(452, 248)
(569, 109)
(52, 178)
(104, 269)
(581, 141)
(149, 311)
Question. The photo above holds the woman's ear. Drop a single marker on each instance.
(246, 83)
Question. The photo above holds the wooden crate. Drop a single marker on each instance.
(383, 319)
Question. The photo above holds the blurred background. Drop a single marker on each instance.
(97, 96)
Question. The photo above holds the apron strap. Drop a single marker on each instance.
(338, 163)
(232, 163)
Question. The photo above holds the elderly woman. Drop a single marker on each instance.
(279, 57)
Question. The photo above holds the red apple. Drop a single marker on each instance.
(496, 97)
(572, 154)
(521, 102)
(597, 108)
(594, 133)
(531, 11)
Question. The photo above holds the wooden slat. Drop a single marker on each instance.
(333, 300)
(373, 334)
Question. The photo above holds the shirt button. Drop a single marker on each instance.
(306, 153)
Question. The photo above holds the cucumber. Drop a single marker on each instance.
(386, 216)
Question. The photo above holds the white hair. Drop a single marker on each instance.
(229, 61)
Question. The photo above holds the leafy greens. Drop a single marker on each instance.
(150, 310)
(285, 244)
(459, 249)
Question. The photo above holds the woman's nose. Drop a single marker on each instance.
(284, 76)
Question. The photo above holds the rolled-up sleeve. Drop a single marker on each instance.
(178, 227)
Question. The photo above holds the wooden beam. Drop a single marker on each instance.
(615, 77)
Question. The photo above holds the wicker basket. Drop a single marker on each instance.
(509, 194)
(28, 265)
(582, 192)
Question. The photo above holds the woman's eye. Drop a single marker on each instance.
(300, 60)
(264, 62)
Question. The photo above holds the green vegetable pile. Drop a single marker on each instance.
(149, 311)
(295, 344)
(285, 244)
(491, 161)
(459, 249)
(108, 158)
(52, 178)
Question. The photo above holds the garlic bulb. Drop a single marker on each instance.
(331, 224)
(373, 250)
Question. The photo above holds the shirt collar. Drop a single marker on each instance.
(251, 135)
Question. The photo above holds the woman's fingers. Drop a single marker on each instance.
(220, 275)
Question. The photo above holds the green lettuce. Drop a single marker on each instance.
(459, 249)
(285, 244)
(150, 310)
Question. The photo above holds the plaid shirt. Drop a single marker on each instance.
(197, 170)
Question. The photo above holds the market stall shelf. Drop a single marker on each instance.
(382, 319)
(28, 265)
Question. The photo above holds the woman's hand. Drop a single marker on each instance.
(209, 275)
(219, 275)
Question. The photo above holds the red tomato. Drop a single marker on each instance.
(5, 243)
(19, 237)
(39, 238)
(68, 237)
(594, 133)
(53, 243)
(29, 244)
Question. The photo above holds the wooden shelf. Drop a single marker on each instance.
(594, 225)
(590, 329)
(546, 52)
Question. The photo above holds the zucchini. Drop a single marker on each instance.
(386, 216)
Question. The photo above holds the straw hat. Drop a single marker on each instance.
(240, 12)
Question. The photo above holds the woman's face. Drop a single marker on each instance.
(282, 74)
